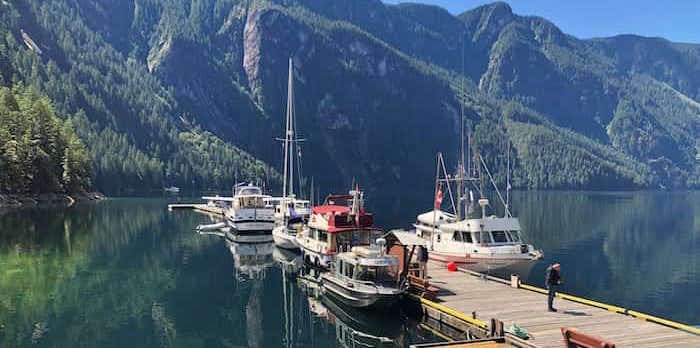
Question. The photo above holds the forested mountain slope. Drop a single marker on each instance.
(169, 91)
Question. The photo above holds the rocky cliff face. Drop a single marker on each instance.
(360, 103)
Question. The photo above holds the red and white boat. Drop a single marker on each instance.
(337, 225)
(482, 243)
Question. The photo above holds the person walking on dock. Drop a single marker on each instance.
(552, 282)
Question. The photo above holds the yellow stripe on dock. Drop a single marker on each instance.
(476, 322)
(435, 332)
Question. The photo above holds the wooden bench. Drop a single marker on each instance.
(576, 339)
(422, 287)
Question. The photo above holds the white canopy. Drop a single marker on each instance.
(407, 238)
(485, 224)
(437, 217)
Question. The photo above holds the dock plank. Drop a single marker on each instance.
(466, 293)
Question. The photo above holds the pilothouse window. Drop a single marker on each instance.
(514, 236)
(467, 237)
(499, 237)
(379, 275)
(456, 236)
(347, 269)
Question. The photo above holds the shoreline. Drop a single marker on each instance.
(13, 200)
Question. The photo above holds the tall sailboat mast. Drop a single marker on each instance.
(460, 166)
(289, 135)
(291, 146)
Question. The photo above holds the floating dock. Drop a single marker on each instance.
(202, 208)
(467, 302)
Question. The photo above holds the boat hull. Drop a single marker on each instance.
(315, 258)
(500, 265)
(251, 227)
(283, 239)
(358, 298)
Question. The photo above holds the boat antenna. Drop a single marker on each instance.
(311, 192)
(436, 208)
(441, 164)
(508, 187)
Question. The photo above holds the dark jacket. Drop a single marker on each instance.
(552, 277)
(422, 254)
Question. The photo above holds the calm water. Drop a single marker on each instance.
(126, 272)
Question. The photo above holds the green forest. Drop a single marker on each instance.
(136, 136)
(40, 152)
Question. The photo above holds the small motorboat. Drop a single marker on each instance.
(211, 227)
(365, 277)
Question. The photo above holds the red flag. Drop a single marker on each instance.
(438, 199)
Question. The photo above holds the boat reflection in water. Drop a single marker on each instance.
(251, 262)
(298, 328)
(353, 328)
(288, 261)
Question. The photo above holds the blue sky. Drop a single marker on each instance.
(676, 20)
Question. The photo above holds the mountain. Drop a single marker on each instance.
(193, 93)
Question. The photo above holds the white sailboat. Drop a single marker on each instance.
(291, 213)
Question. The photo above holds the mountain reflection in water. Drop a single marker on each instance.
(126, 272)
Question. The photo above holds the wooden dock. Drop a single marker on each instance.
(463, 292)
(202, 208)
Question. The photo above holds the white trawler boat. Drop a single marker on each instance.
(364, 277)
(290, 213)
(335, 227)
(249, 214)
(482, 243)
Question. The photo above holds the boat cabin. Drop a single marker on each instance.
(249, 202)
(339, 230)
(247, 190)
(289, 206)
(486, 231)
(249, 197)
(367, 265)
(336, 227)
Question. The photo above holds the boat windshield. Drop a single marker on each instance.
(347, 239)
(514, 236)
(248, 190)
(482, 237)
(494, 237)
(251, 202)
(380, 275)
(499, 237)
